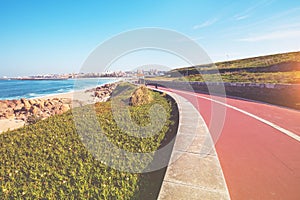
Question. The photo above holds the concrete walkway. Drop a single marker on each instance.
(194, 171)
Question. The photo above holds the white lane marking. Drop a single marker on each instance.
(287, 132)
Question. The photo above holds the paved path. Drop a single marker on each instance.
(194, 171)
(260, 159)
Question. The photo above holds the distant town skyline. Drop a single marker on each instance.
(147, 72)
(41, 37)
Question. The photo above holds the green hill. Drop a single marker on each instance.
(260, 61)
(277, 68)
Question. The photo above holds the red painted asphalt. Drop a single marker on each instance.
(258, 161)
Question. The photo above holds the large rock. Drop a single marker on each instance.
(64, 108)
(25, 108)
(97, 94)
(34, 110)
(9, 110)
(16, 101)
(3, 106)
(18, 106)
(9, 114)
(21, 117)
(26, 103)
(32, 101)
(11, 104)
(3, 101)
(48, 104)
(41, 105)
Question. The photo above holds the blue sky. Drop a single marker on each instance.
(38, 37)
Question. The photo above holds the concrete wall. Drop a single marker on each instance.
(279, 94)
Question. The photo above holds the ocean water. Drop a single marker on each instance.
(16, 89)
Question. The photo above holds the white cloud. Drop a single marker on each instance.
(191, 39)
(241, 17)
(273, 36)
(205, 24)
(249, 11)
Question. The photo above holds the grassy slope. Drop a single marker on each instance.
(260, 61)
(292, 77)
(48, 159)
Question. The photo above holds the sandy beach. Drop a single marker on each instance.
(80, 95)
(11, 124)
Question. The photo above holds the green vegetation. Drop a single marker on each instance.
(48, 160)
(261, 61)
(141, 96)
(292, 77)
(248, 70)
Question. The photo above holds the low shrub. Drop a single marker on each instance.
(141, 96)
(48, 160)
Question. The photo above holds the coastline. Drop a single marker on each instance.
(69, 87)
(62, 101)
(56, 95)
(70, 94)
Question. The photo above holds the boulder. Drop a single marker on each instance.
(48, 104)
(40, 105)
(21, 117)
(34, 110)
(3, 106)
(26, 103)
(51, 102)
(97, 94)
(3, 101)
(10, 110)
(32, 101)
(9, 115)
(64, 108)
(16, 101)
(25, 109)
(18, 106)
(54, 100)
(11, 104)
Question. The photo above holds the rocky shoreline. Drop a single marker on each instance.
(42, 108)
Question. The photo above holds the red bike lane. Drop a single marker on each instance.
(258, 161)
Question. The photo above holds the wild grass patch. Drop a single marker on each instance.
(48, 160)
